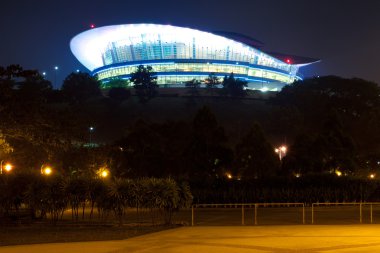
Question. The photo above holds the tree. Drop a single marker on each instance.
(207, 152)
(234, 87)
(119, 93)
(145, 83)
(255, 156)
(78, 87)
(211, 82)
(193, 87)
(304, 156)
(339, 149)
(120, 196)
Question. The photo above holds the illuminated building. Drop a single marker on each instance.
(180, 54)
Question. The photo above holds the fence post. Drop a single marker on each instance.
(255, 214)
(371, 214)
(303, 213)
(360, 211)
(192, 215)
(242, 214)
(312, 213)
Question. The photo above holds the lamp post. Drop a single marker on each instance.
(91, 129)
(55, 76)
(281, 151)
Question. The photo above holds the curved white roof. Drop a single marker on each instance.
(89, 47)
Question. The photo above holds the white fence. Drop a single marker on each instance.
(246, 208)
(355, 204)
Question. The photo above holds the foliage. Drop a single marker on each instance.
(254, 156)
(49, 196)
(119, 93)
(212, 81)
(207, 152)
(78, 87)
(234, 87)
(193, 87)
(145, 83)
(306, 189)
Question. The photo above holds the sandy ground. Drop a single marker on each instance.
(296, 238)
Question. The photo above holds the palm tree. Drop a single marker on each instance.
(75, 189)
(119, 193)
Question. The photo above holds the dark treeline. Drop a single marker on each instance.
(50, 196)
(331, 126)
(308, 189)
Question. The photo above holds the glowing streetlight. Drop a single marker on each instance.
(281, 151)
(103, 172)
(55, 75)
(91, 129)
(7, 167)
(372, 176)
(228, 175)
(338, 173)
(46, 170)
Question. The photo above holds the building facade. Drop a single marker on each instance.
(180, 54)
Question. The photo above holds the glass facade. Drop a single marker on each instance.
(176, 54)
(201, 70)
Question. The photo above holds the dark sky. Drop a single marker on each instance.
(345, 34)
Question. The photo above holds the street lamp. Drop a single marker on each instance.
(46, 170)
(55, 76)
(281, 151)
(91, 129)
(103, 172)
(7, 167)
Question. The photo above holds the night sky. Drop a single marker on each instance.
(344, 34)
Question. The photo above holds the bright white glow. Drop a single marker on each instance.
(8, 167)
(47, 171)
(338, 173)
(372, 176)
(264, 89)
(44, 73)
(89, 46)
(103, 172)
(91, 128)
(56, 67)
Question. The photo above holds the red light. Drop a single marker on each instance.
(287, 60)
(92, 26)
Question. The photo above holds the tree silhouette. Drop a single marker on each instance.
(211, 82)
(255, 156)
(78, 87)
(145, 83)
(234, 87)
